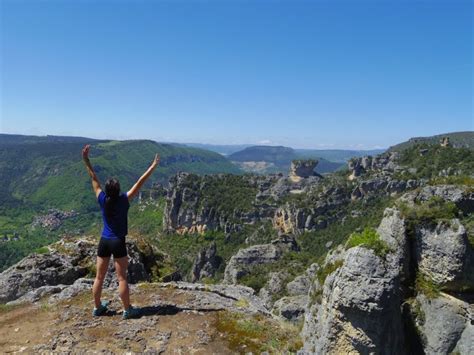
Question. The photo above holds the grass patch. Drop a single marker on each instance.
(91, 270)
(465, 180)
(242, 303)
(5, 308)
(256, 278)
(324, 272)
(255, 334)
(426, 286)
(42, 250)
(369, 239)
(434, 209)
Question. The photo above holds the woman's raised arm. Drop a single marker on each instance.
(95, 180)
(135, 188)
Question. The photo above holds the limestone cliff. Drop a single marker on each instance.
(393, 302)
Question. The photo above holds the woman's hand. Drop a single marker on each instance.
(85, 152)
(156, 161)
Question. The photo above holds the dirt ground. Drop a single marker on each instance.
(69, 327)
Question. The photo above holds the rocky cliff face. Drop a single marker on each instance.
(194, 203)
(191, 203)
(303, 201)
(373, 302)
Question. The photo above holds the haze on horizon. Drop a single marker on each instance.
(306, 74)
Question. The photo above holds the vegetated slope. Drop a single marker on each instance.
(49, 172)
(18, 139)
(298, 243)
(277, 159)
(336, 155)
(224, 149)
(457, 139)
(39, 173)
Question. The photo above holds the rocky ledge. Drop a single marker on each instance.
(66, 266)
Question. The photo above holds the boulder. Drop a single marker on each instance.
(442, 321)
(290, 308)
(240, 264)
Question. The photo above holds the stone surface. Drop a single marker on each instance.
(274, 285)
(241, 263)
(291, 308)
(36, 271)
(444, 321)
(69, 260)
(444, 254)
(462, 196)
(358, 307)
(301, 169)
(301, 284)
(386, 162)
(205, 264)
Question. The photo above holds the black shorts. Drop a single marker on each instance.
(112, 246)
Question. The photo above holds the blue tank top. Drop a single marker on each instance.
(116, 225)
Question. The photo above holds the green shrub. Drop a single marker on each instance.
(465, 180)
(430, 212)
(425, 285)
(42, 250)
(369, 239)
(255, 279)
(324, 272)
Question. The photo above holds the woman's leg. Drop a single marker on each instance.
(121, 265)
(102, 265)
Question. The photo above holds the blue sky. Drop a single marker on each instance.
(313, 74)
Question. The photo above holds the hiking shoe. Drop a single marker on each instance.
(101, 310)
(131, 312)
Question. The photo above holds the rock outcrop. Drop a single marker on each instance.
(205, 264)
(274, 286)
(461, 196)
(445, 324)
(191, 203)
(67, 261)
(292, 219)
(386, 163)
(444, 255)
(290, 308)
(301, 169)
(361, 304)
(360, 308)
(241, 263)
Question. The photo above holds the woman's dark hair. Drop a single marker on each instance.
(112, 192)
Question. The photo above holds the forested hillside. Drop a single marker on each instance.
(43, 173)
